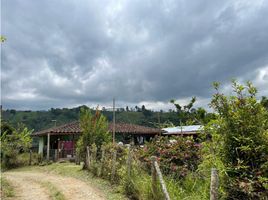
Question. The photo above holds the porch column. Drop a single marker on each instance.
(41, 145)
(48, 145)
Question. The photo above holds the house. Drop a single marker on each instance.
(60, 141)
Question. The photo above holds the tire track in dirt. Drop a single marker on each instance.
(27, 187)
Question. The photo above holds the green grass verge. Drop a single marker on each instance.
(54, 193)
(6, 189)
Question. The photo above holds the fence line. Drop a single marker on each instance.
(155, 171)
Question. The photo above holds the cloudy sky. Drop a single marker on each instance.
(66, 53)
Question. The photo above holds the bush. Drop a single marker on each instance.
(242, 126)
(94, 131)
(177, 156)
(121, 157)
(13, 143)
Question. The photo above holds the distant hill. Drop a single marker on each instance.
(39, 120)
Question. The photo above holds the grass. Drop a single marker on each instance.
(54, 193)
(137, 187)
(111, 192)
(6, 189)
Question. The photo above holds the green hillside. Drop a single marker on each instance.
(39, 120)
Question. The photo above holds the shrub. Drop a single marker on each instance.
(94, 131)
(242, 124)
(13, 143)
(177, 156)
(121, 156)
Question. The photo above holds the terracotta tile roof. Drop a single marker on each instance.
(133, 128)
(74, 128)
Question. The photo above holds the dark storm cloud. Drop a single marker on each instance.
(64, 53)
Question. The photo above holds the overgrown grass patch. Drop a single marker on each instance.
(54, 193)
(6, 189)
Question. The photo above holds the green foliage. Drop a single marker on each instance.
(264, 102)
(138, 185)
(120, 162)
(54, 193)
(6, 189)
(94, 131)
(39, 120)
(177, 156)
(13, 142)
(185, 108)
(212, 154)
(189, 115)
(241, 142)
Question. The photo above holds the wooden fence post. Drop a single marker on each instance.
(214, 184)
(87, 158)
(102, 159)
(30, 159)
(113, 166)
(156, 171)
(154, 178)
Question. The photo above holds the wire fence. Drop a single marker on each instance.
(109, 162)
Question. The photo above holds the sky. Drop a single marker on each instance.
(67, 53)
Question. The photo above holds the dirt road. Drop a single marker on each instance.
(30, 186)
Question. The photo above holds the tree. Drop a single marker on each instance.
(137, 109)
(143, 108)
(145, 112)
(242, 126)
(184, 112)
(13, 141)
(264, 102)
(94, 131)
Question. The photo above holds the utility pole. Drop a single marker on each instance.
(181, 125)
(158, 115)
(113, 121)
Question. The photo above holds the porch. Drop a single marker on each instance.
(55, 147)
